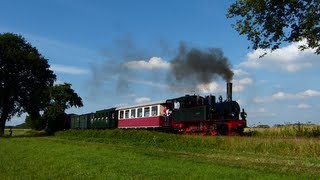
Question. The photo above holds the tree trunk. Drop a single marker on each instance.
(2, 126)
(3, 119)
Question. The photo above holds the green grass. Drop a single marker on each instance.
(304, 147)
(16, 132)
(116, 154)
(297, 130)
(24, 133)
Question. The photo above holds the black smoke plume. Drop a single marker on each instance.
(193, 66)
(189, 68)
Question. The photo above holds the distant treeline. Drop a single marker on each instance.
(283, 125)
(19, 126)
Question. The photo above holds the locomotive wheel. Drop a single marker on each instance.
(191, 132)
(213, 133)
(240, 131)
(204, 133)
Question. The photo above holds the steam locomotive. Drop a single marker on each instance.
(193, 115)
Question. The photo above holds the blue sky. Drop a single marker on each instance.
(88, 44)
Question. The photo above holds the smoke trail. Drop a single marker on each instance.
(189, 68)
(193, 66)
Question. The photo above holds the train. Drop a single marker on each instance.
(189, 114)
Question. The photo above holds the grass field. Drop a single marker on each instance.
(116, 154)
(297, 130)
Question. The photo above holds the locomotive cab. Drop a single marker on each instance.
(227, 110)
(187, 101)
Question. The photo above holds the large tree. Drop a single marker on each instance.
(24, 78)
(268, 23)
(62, 97)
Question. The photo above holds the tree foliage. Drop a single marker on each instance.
(24, 78)
(35, 123)
(62, 97)
(268, 23)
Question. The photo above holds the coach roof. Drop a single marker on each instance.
(141, 105)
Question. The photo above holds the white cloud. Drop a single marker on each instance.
(283, 96)
(57, 82)
(240, 84)
(153, 63)
(121, 105)
(288, 59)
(301, 106)
(262, 110)
(214, 87)
(240, 72)
(309, 93)
(58, 68)
(288, 96)
(142, 100)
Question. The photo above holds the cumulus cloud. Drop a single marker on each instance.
(214, 87)
(301, 106)
(240, 72)
(58, 68)
(288, 96)
(240, 84)
(289, 59)
(153, 63)
(309, 93)
(142, 100)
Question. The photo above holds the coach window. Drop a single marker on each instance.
(140, 112)
(121, 115)
(126, 115)
(133, 113)
(154, 110)
(146, 111)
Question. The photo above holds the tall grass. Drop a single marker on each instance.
(286, 131)
(307, 147)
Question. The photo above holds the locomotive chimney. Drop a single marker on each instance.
(229, 91)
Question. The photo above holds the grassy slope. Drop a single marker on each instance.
(66, 156)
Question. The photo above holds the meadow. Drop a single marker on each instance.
(119, 154)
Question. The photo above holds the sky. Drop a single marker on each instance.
(118, 53)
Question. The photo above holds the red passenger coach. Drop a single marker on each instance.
(141, 116)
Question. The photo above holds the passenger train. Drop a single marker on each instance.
(189, 114)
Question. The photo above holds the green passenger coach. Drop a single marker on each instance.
(75, 123)
(85, 120)
(103, 119)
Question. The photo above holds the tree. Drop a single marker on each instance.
(24, 78)
(268, 23)
(35, 123)
(62, 97)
